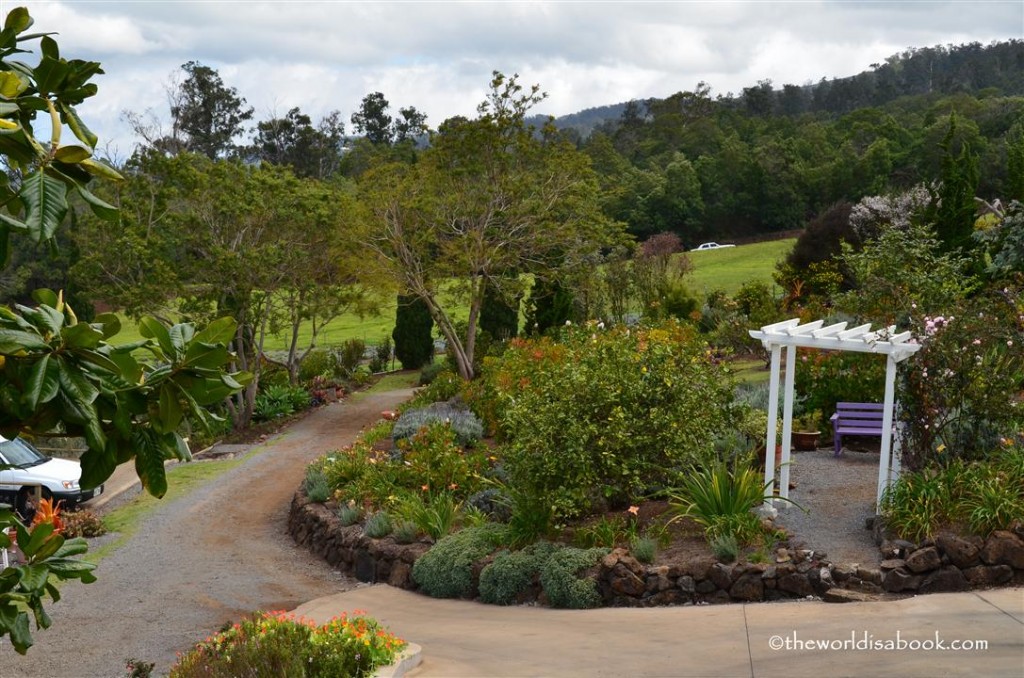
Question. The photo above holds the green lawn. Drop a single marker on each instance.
(727, 269)
(724, 269)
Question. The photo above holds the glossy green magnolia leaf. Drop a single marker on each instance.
(18, 20)
(48, 548)
(42, 384)
(98, 359)
(79, 129)
(100, 169)
(12, 84)
(21, 639)
(72, 154)
(180, 334)
(81, 336)
(109, 323)
(30, 541)
(97, 466)
(14, 342)
(42, 295)
(72, 547)
(100, 208)
(48, 46)
(43, 620)
(76, 385)
(220, 331)
(170, 414)
(149, 466)
(50, 74)
(127, 365)
(151, 328)
(200, 356)
(46, 205)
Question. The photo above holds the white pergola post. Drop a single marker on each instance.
(773, 414)
(791, 334)
(885, 461)
(787, 422)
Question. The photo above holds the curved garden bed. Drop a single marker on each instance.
(947, 563)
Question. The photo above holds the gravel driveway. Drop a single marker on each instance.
(200, 560)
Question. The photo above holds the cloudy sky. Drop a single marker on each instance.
(438, 56)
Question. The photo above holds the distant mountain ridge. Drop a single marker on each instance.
(941, 70)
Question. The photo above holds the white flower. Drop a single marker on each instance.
(568, 322)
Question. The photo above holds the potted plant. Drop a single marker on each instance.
(806, 431)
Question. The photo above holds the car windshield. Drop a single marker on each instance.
(19, 453)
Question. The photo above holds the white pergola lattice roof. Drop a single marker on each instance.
(896, 346)
(837, 338)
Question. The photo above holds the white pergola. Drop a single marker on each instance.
(791, 334)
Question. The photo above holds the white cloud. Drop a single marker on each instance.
(438, 56)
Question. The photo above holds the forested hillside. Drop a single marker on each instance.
(769, 160)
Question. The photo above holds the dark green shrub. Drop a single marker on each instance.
(550, 305)
(499, 316)
(430, 372)
(512, 573)
(445, 571)
(559, 575)
(319, 363)
(413, 333)
(351, 355)
(381, 356)
(378, 525)
(467, 428)
(605, 414)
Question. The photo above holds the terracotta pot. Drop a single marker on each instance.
(761, 456)
(806, 441)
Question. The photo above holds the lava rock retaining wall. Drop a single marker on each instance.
(951, 562)
(947, 563)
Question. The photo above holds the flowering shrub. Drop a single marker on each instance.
(279, 644)
(605, 415)
(959, 395)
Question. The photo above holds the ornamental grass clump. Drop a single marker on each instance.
(274, 644)
(721, 500)
(977, 497)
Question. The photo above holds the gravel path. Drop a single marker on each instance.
(839, 495)
(200, 560)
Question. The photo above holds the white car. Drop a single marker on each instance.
(710, 246)
(23, 467)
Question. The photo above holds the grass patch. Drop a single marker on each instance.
(749, 371)
(394, 381)
(727, 269)
(182, 479)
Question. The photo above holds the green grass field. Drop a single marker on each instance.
(724, 269)
(727, 269)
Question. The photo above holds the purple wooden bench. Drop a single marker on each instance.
(856, 419)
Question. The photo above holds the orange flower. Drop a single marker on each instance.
(635, 510)
(48, 513)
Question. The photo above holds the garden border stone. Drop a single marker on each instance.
(947, 563)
